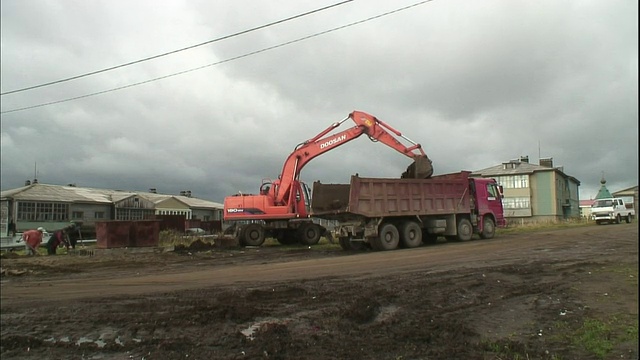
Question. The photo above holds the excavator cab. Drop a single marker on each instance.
(421, 168)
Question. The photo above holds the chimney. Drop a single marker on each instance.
(153, 190)
(188, 193)
(71, 185)
(35, 181)
(27, 183)
(183, 193)
(547, 162)
(524, 159)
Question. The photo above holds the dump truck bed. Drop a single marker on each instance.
(381, 197)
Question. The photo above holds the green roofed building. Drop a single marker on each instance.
(603, 193)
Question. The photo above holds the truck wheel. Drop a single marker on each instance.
(309, 234)
(618, 219)
(628, 219)
(411, 234)
(488, 228)
(465, 230)
(253, 235)
(388, 238)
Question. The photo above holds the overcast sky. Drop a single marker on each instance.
(477, 83)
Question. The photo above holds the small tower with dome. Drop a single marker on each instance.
(603, 193)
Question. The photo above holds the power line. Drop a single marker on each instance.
(222, 61)
(176, 51)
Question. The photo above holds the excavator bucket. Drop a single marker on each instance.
(421, 168)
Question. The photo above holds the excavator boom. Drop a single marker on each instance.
(374, 128)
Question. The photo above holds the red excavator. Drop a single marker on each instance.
(281, 209)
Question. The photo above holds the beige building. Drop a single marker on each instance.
(535, 193)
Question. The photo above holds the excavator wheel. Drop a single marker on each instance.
(253, 235)
(421, 168)
(310, 234)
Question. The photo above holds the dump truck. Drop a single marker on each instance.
(385, 213)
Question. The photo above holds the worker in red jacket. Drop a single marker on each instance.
(32, 240)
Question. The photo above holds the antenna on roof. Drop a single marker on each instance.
(35, 172)
(539, 151)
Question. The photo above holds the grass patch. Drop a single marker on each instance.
(597, 337)
(543, 225)
(173, 238)
(508, 350)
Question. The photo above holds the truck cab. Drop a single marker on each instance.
(488, 201)
(611, 210)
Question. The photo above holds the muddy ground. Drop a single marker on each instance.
(549, 294)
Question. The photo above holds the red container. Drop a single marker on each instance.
(118, 234)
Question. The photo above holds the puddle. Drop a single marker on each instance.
(84, 340)
(249, 332)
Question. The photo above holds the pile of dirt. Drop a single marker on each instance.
(196, 246)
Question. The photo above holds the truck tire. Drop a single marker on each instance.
(410, 234)
(465, 230)
(309, 234)
(618, 219)
(253, 235)
(388, 238)
(488, 228)
(628, 219)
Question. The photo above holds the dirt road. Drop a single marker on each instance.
(539, 295)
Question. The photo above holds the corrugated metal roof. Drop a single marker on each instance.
(59, 193)
(46, 192)
(586, 202)
(517, 168)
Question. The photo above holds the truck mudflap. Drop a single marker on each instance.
(329, 236)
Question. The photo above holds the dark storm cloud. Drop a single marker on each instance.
(476, 83)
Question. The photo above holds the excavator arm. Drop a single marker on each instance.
(374, 128)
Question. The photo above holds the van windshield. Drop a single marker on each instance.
(602, 203)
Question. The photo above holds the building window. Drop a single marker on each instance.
(77, 215)
(40, 211)
(99, 215)
(513, 182)
(516, 203)
(134, 214)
